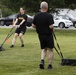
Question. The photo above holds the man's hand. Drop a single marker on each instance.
(33, 26)
(51, 27)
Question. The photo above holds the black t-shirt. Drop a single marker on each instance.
(43, 20)
(20, 18)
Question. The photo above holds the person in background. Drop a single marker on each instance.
(21, 29)
(43, 22)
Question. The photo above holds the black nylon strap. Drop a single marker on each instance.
(59, 52)
(10, 35)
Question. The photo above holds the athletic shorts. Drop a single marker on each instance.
(46, 41)
(18, 31)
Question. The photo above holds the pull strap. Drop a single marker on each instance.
(59, 52)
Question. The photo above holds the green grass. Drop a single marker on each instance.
(25, 61)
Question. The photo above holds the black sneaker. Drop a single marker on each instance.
(11, 46)
(22, 45)
(41, 66)
(50, 67)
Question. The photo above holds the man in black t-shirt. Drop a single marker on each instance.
(43, 22)
(21, 29)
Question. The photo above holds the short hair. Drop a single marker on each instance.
(44, 5)
(22, 8)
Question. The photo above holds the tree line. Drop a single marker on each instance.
(32, 6)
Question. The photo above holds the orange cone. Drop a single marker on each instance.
(7, 41)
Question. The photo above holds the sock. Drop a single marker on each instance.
(42, 61)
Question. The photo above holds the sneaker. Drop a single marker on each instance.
(50, 67)
(22, 45)
(11, 46)
(41, 66)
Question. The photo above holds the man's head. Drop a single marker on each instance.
(44, 5)
(22, 10)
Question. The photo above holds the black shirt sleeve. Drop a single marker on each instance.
(34, 20)
(25, 17)
(50, 19)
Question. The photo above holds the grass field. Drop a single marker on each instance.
(25, 61)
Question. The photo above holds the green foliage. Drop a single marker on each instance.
(5, 10)
(57, 3)
(10, 6)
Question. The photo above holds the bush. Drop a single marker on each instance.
(5, 11)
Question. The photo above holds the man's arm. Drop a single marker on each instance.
(34, 26)
(51, 22)
(51, 27)
(34, 22)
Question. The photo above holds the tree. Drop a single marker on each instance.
(70, 4)
(5, 11)
(11, 6)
